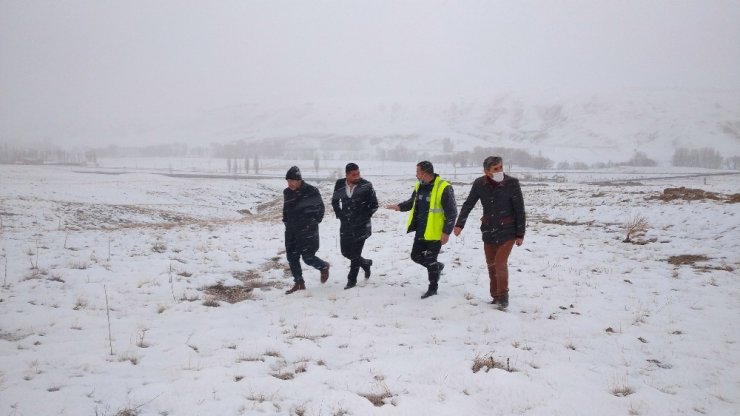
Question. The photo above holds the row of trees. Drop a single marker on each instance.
(699, 158)
(467, 158)
(296, 148)
(235, 165)
(9, 154)
(241, 157)
(512, 156)
(705, 157)
(160, 150)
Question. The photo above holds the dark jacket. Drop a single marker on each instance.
(354, 212)
(503, 209)
(303, 210)
(419, 222)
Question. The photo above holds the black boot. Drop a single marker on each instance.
(296, 287)
(433, 272)
(354, 270)
(502, 301)
(366, 267)
(431, 291)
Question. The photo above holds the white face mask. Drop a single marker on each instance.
(497, 176)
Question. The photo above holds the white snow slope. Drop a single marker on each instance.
(575, 126)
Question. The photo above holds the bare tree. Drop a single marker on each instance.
(635, 227)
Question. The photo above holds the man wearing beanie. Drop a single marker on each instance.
(354, 203)
(303, 210)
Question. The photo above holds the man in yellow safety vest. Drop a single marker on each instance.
(432, 218)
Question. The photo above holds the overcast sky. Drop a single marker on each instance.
(81, 67)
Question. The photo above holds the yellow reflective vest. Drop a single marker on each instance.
(436, 216)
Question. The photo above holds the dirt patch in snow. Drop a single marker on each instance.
(689, 259)
(692, 194)
(232, 294)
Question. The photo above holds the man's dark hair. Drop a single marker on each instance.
(351, 167)
(426, 166)
(492, 161)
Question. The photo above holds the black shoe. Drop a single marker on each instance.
(325, 272)
(350, 285)
(502, 301)
(429, 293)
(366, 268)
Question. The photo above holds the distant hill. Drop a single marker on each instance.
(573, 127)
(563, 127)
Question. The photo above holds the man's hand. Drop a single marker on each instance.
(519, 241)
(457, 231)
(445, 238)
(393, 207)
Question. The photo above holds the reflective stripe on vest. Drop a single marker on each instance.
(436, 216)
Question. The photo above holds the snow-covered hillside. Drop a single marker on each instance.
(586, 127)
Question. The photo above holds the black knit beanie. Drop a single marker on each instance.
(293, 173)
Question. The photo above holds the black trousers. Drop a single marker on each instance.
(352, 250)
(302, 243)
(425, 253)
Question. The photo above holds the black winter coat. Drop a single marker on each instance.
(303, 210)
(503, 209)
(354, 212)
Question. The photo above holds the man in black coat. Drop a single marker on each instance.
(502, 225)
(432, 217)
(354, 203)
(303, 210)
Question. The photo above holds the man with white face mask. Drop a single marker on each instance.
(502, 225)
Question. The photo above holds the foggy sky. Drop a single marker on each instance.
(81, 69)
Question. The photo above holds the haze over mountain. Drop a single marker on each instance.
(572, 76)
(585, 127)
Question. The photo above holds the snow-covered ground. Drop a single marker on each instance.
(104, 310)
